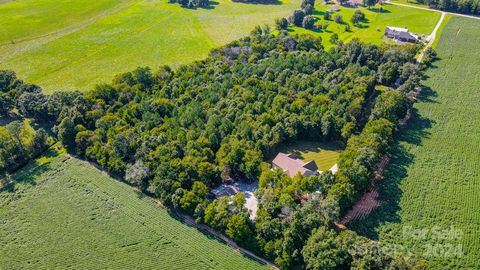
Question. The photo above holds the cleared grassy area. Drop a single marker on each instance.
(77, 51)
(65, 214)
(432, 186)
(371, 30)
(325, 155)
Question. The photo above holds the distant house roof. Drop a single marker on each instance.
(334, 8)
(396, 29)
(354, 3)
(399, 33)
(224, 190)
(292, 165)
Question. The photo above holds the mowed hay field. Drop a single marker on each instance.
(74, 44)
(431, 190)
(65, 214)
(371, 30)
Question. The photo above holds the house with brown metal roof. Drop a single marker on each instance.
(292, 165)
(400, 34)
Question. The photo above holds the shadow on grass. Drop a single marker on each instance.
(429, 95)
(211, 5)
(379, 10)
(401, 158)
(259, 2)
(33, 174)
(318, 12)
(362, 26)
(26, 174)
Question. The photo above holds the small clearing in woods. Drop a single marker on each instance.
(325, 155)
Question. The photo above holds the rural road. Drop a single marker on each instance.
(431, 38)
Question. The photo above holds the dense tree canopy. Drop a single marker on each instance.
(178, 133)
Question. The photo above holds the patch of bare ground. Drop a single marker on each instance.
(370, 199)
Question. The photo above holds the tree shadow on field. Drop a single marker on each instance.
(259, 2)
(318, 12)
(211, 5)
(396, 171)
(26, 175)
(379, 10)
(428, 96)
(362, 26)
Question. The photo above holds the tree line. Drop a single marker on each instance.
(179, 133)
(458, 6)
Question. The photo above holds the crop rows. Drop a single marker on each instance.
(432, 187)
(71, 216)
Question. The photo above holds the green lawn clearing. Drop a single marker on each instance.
(325, 155)
(431, 189)
(372, 29)
(68, 45)
(65, 214)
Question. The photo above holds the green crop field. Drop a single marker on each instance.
(71, 44)
(65, 214)
(432, 187)
(371, 30)
(325, 155)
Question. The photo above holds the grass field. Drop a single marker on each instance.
(372, 29)
(71, 44)
(432, 187)
(65, 214)
(325, 155)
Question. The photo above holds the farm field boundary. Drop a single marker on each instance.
(432, 184)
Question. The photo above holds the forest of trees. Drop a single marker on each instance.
(459, 6)
(178, 133)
